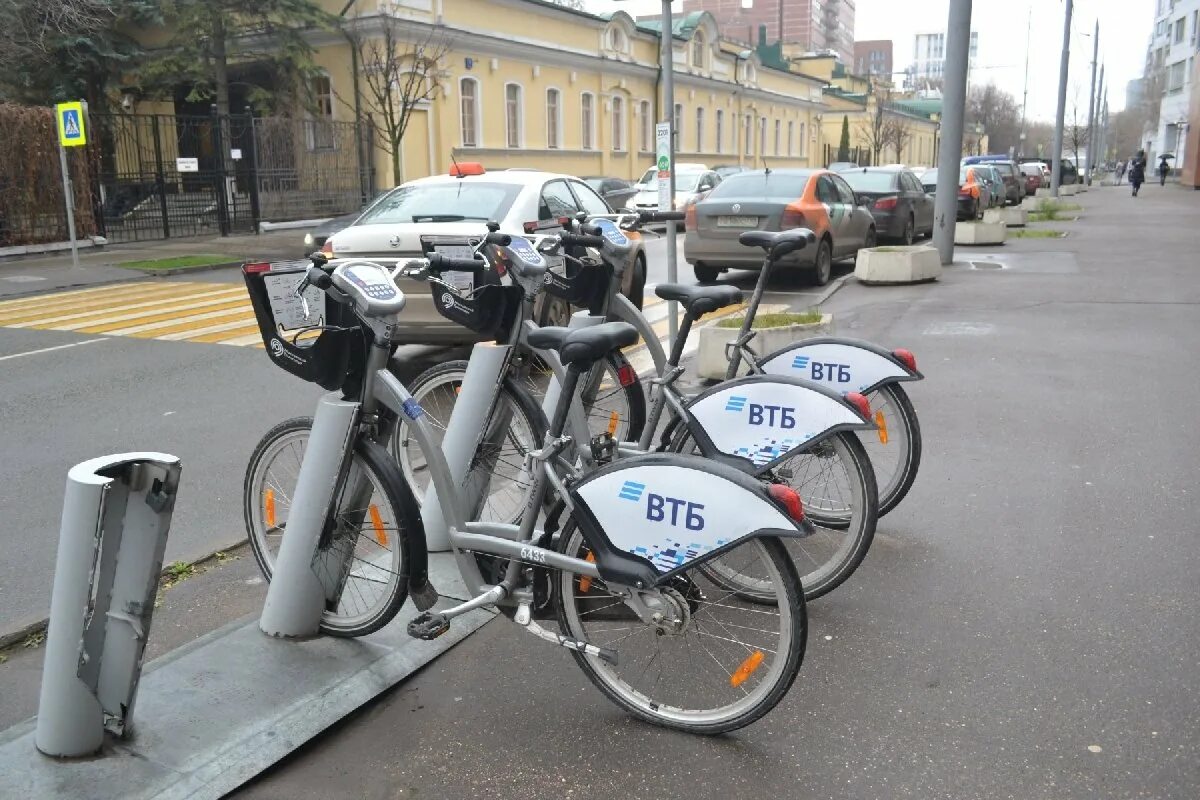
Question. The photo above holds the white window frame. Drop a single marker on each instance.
(699, 129)
(803, 142)
(720, 130)
(554, 142)
(319, 135)
(646, 127)
(699, 50)
(520, 117)
(677, 123)
(778, 134)
(475, 113)
(791, 137)
(748, 133)
(617, 118)
(587, 121)
(762, 136)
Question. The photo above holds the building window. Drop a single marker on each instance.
(720, 130)
(647, 124)
(699, 50)
(1175, 76)
(778, 128)
(700, 130)
(468, 92)
(512, 115)
(1180, 26)
(762, 136)
(803, 141)
(553, 119)
(1195, 23)
(791, 136)
(320, 126)
(618, 123)
(588, 113)
(748, 136)
(616, 40)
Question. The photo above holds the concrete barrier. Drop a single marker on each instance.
(1032, 203)
(711, 361)
(1015, 217)
(993, 216)
(1043, 192)
(973, 233)
(894, 265)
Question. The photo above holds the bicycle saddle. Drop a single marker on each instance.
(699, 300)
(779, 243)
(584, 346)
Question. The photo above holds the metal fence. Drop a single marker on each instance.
(858, 155)
(165, 175)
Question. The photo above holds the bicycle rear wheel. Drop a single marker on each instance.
(726, 664)
(363, 559)
(894, 447)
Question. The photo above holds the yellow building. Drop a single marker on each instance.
(527, 83)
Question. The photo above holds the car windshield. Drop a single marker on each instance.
(687, 181)
(758, 184)
(648, 177)
(595, 183)
(1031, 169)
(929, 177)
(870, 181)
(443, 202)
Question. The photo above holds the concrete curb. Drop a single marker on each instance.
(169, 273)
(296, 224)
(833, 289)
(19, 251)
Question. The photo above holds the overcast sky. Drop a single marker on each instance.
(1125, 27)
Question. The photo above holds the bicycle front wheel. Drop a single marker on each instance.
(722, 664)
(362, 560)
(894, 447)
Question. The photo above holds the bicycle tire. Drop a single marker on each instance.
(377, 466)
(765, 694)
(615, 365)
(894, 484)
(859, 523)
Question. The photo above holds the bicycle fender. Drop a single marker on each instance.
(765, 418)
(650, 517)
(847, 365)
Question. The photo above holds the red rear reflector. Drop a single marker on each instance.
(792, 217)
(466, 168)
(257, 266)
(860, 404)
(530, 227)
(626, 375)
(885, 203)
(564, 221)
(789, 499)
(689, 217)
(906, 358)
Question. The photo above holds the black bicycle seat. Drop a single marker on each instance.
(698, 300)
(584, 346)
(779, 243)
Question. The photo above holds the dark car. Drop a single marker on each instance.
(1032, 173)
(1014, 181)
(615, 191)
(725, 170)
(316, 238)
(842, 166)
(896, 199)
(1069, 173)
(991, 176)
(968, 192)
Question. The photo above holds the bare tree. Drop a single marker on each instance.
(874, 128)
(997, 111)
(400, 76)
(29, 25)
(900, 133)
(1076, 131)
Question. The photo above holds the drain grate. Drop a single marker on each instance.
(986, 265)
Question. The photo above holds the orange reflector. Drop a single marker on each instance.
(753, 662)
(585, 581)
(377, 524)
(613, 418)
(269, 506)
(882, 425)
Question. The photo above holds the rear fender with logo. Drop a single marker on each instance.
(765, 419)
(845, 365)
(649, 518)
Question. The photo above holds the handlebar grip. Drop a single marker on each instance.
(438, 263)
(591, 230)
(661, 216)
(502, 239)
(576, 240)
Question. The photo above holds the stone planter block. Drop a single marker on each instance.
(887, 265)
(1031, 203)
(1015, 217)
(970, 233)
(993, 216)
(1068, 190)
(1043, 192)
(711, 361)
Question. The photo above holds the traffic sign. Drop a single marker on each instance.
(71, 132)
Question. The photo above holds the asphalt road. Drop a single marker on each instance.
(1026, 625)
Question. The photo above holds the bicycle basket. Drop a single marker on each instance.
(328, 347)
(489, 310)
(579, 284)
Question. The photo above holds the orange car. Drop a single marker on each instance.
(776, 200)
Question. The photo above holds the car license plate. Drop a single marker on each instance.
(737, 222)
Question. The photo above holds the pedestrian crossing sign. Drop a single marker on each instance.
(70, 124)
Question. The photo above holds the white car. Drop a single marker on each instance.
(461, 204)
(692, 182)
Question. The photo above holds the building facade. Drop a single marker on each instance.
(929, 59)
(815, 26)
(1170, 62)
(874, 58)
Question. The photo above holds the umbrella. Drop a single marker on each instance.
(1167, 155)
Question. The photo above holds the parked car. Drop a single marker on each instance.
(690, 180)
(842, 166)
(897, 200)
(315, 239)
(1032, 174)
(458, 206)
(615, 191)
(1069, 173)
(725, 170)
(1014, 181)
(776, 200)
(988, 174)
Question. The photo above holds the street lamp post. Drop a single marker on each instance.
(958, 39)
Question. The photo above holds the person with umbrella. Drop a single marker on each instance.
(1137, 171)
(1164, 168)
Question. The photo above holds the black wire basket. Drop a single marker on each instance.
(579, 283)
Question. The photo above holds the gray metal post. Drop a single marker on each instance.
(101, 605)
(667, 63)
(954, 100)
(1094, 129)
(1060, 114)
(463, 431)
(69, 201)
(296, 597)
(1091, 117)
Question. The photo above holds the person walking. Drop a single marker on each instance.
(1137, 171)
(1121, 171)
(1163, 170)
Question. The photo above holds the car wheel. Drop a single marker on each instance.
(869, 241)
(705, 273)
(910, 231)
(823, 265)
(554, 311)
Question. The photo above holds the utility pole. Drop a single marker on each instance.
(1056, 150)
(1025, 96)
(954, 100)
(1093, 124)
(667, 64)
(1087, 174)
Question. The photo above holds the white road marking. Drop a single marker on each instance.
(51, 349)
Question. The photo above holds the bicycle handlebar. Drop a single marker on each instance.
(661, 216)
(501, 239)
(581, 240)
(441, 263)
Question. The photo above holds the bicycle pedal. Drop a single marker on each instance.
(428, 626)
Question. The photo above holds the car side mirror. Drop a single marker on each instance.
(704, 187)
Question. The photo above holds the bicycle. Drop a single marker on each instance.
(628, 557)
(804, 438)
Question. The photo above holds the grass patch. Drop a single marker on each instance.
(1031, 233)
(177, 263)
(773, 320)
(34, 640)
